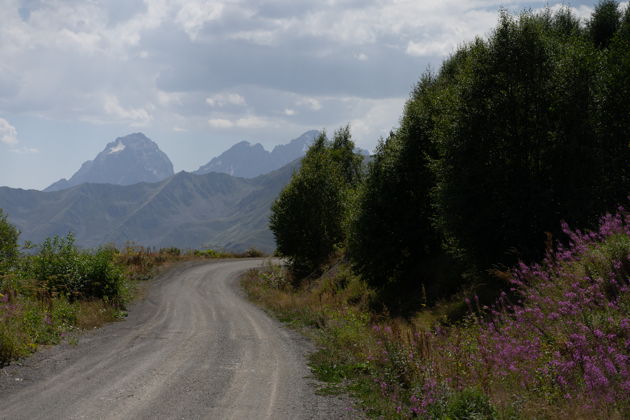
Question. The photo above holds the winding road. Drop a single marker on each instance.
(193, 347)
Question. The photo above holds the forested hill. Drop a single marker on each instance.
(185, 210)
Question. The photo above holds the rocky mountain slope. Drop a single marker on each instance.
(250, 160)
(125, 161)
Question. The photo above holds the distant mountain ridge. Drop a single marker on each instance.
(185, 210)
(135, 158)
(248, 160)
(125, 161)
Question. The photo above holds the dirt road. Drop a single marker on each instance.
(192, 348)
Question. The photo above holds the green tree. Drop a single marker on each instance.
(613, 119)
(308, 217)
(393, 242)
(9, 250)
(536, 137)
(604, 22)
(492, 182)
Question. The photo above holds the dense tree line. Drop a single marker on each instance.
(514, 134)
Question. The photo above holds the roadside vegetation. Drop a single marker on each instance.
(554, 345)
(52, 291)
(443, 280)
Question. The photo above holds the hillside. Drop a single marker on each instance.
(185, 210)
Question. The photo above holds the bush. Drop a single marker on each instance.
(172, 251)
(27, 323)
(468, 404)
(60, 268)
(8, 244)
(207, 253)
(252, 253)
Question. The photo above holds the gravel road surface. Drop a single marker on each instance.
(193, 347)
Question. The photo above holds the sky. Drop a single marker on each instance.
(197, 76)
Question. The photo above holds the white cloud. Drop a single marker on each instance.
(9, 136)
(222, 99)
(289, 112)
(134, 116)
(430, 48)
(194, 14)
(380, 116)
(251, 121)
(582, 12)
(361, 57)
(220, 123)
(311, 103)
(256, 37)
(169, 98)
(25, 150)
(8, 133)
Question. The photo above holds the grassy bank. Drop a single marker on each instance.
(557, 345)
(56, 293)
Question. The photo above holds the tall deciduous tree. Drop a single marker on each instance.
(605, 22)
(392, 236)
(538, 135)
(308, 217)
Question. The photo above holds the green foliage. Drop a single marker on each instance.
(308, 217)
(533, 138)
(560, 352)
(514, 134)
(604, 23)
(60, 268)
(469, 404)
(392, 239)
(27, 323)
(8, 244)
(172, 251)
(207, 253)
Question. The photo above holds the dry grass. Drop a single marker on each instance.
(95, 314)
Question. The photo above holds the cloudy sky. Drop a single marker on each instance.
(197, 76)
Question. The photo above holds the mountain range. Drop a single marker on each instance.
(135, 158)
(185, 210)
(248, 160)
(129, 192)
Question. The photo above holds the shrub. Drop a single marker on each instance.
(60, 268)
(468, 404)
(252, 253)
(172, 251)
(26, 323)
(207, 253)
(8, 244)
